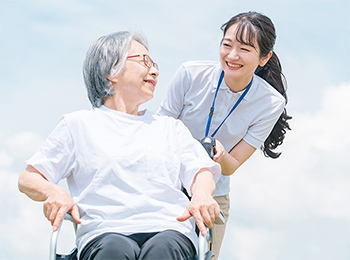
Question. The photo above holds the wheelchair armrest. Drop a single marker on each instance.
(221, 220)
(53, 243)
(203, 244)
(55, 234)
(204, 252)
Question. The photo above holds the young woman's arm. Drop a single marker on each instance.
(231, 161)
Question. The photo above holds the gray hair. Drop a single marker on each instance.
(105, 57)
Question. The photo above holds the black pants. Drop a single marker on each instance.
(165, 245)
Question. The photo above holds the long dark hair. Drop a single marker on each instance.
(253, 26)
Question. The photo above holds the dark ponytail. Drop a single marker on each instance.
(272, 73)
(260, 28)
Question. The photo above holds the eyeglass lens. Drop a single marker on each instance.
(149, 62)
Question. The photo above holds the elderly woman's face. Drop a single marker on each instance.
(140, 75)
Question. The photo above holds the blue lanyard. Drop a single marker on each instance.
(211, 112)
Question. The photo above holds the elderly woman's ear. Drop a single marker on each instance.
(112, 78)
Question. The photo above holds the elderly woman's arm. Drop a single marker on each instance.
(57, 201)
(202, 206)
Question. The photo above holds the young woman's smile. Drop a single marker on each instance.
(239, 60)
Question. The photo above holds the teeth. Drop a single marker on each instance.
(234, 65)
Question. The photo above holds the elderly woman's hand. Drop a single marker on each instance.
(204, 209)
(57, 201)
(57, 204)
(202, 206)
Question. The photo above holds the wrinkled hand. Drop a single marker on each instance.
(219, 151)
(57, 204)
(204, 209)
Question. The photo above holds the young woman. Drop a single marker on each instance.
(125, 168)
(240, 101)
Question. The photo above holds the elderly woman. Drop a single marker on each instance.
(125, 168)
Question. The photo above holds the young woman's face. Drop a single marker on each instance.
(137, 80)
(238, 60)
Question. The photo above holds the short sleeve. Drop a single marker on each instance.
(260, 130)
(173, 100)
(55, 158)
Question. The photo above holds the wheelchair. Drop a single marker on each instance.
(204, 247)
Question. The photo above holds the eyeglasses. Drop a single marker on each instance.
(146, 60)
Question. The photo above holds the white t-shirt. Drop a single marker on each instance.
(190, 95)
(124, 172)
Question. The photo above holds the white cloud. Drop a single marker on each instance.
(252, 241)
(24, 143)
(333, 123)
(310, 181)
(5, 159)
(32, 230)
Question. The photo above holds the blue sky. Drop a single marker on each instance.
(295, 207)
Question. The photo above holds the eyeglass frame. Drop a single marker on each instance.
(147, 60)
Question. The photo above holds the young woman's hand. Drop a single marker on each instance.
(219, 152)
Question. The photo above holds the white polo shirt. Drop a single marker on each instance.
(124, 172)
(190, 95)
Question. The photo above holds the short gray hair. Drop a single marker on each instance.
(106, 56)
